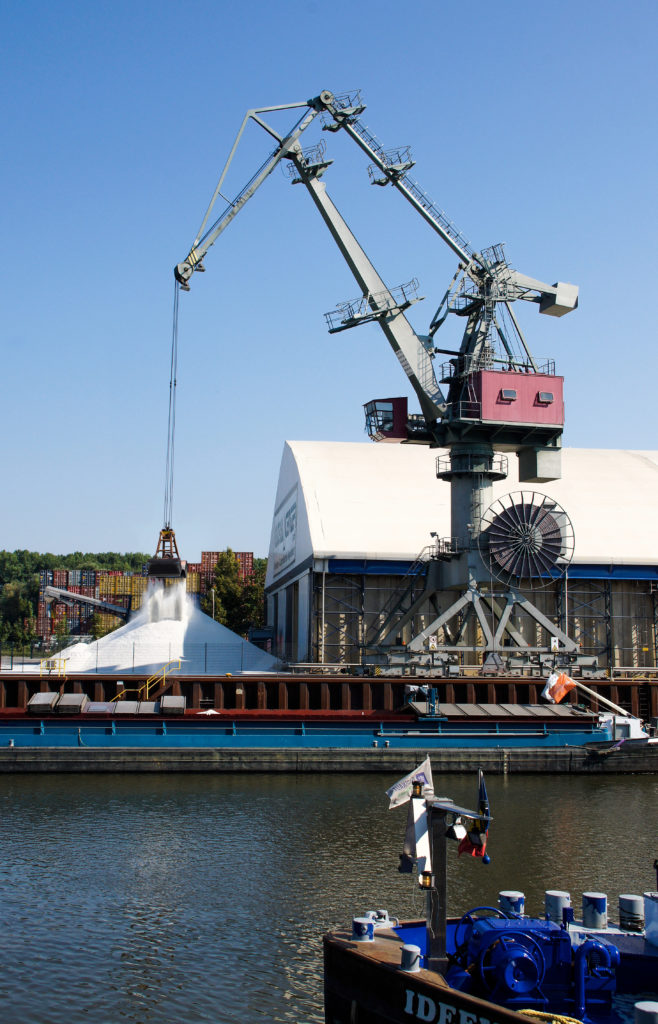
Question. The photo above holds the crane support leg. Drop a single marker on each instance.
(493, 640)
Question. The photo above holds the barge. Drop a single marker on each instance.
(71, 720)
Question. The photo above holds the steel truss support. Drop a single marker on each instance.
(496, 623)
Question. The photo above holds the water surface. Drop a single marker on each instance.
(204, 898)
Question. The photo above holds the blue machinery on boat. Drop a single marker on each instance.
(494, 961)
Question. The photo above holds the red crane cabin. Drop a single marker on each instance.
(505, 396)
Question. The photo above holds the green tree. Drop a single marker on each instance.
(97, 626)
(16, 613)
(21, 568)
(253, 595)
(238, 603)
(228, 592)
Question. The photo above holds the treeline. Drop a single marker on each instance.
(22, 566)
(19, 583)
(236, 603)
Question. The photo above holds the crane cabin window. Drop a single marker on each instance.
(545, 398)
(379, 417)
(507, 395)
(386, 419)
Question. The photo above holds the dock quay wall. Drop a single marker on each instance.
(564, 760)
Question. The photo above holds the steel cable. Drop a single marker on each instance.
(171, 422)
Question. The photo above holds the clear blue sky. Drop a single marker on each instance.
(532, 124)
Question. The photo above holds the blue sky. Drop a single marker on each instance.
(532, 124)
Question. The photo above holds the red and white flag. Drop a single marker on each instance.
(557, 687)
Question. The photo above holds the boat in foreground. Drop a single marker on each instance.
(494, 965)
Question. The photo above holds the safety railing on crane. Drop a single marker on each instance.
(486, 360)
(370, 306)
(471, 462)
(392, 160)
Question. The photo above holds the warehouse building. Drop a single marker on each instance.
(350, 521)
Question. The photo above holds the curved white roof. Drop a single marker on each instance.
(381, 501)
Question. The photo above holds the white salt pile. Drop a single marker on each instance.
(169, 626)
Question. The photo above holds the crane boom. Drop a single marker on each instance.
(479, 267)
(394, 167)
(409, 348)
(193, 261)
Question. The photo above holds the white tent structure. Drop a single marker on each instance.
(350, 518)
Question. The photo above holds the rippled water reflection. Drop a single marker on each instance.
(204, 898)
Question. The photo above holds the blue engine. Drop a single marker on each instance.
(525, 962)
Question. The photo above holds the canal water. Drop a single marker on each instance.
(194, 898)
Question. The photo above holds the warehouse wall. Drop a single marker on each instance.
(615, 621)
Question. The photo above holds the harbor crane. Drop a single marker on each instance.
(490, 398)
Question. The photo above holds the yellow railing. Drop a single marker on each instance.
(49, 665)
(122, 693)
(150, 684)
(161, 676)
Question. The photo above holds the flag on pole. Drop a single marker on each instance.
(400, 792)
(475, 840)
(550, 683)
(557, 687)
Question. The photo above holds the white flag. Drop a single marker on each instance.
(550, 683)
(400, 792)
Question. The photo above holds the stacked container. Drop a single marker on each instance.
(246, 562)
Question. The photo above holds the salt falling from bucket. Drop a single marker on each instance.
(161, 602)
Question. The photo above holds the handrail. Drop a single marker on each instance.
(144, 690)
(161, 676)
(48, 664)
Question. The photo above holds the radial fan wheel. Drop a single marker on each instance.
(526, 536)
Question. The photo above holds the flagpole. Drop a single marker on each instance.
(437, 896)
(603, 700)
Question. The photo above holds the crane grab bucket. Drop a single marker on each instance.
(167, 563)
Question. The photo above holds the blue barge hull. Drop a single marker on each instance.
(233, 733)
